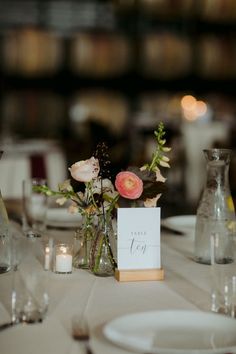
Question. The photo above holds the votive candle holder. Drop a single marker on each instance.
(62, 262)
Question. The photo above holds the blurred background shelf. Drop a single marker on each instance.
(76, 72)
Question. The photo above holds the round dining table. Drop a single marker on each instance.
(186, 286)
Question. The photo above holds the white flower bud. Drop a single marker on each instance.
(164, 164)
(163, 141)
(165, 158)
(166, 149)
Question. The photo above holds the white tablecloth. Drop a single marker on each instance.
(186, 286)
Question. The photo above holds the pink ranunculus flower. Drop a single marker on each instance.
(129, 185)
(85, 170)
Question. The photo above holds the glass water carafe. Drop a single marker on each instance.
(215, 213)
(5, 245)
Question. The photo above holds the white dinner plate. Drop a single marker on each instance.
(181, 223)
(60, 217)
(174, 332)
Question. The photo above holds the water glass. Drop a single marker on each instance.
(223, 287)
(29, 294)
(5, 253)
(34, 208)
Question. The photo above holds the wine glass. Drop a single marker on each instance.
(34, 208)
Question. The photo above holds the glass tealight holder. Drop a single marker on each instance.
(62, 260)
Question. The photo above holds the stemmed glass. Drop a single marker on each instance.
(34, 208)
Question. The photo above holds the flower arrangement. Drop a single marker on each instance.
(99, 194)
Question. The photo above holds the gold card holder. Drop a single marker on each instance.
(139, 274)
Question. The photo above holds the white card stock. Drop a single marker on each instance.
(138, 238)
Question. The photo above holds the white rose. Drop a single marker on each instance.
(85, 170)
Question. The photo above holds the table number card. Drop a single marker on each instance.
(138, 244)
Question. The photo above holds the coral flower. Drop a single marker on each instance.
(85, 170)
(129, 185)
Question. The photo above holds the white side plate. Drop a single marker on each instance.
(174, 332)
(60, 217)
(181, 223)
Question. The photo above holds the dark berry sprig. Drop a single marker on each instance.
(102, 154)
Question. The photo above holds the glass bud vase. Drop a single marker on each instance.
(215, 213)
(102, 256)
(82, 242)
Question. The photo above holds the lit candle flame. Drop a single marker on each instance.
(63, 249)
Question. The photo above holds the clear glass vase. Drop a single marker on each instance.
(215, 213)
(103, 251)
(82, 242)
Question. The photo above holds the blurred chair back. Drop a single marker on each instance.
(34, 158)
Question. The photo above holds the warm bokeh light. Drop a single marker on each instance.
(192, 108)
(190, 115)
(188, 102)
(201, 108)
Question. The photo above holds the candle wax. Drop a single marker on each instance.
(64, 263)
